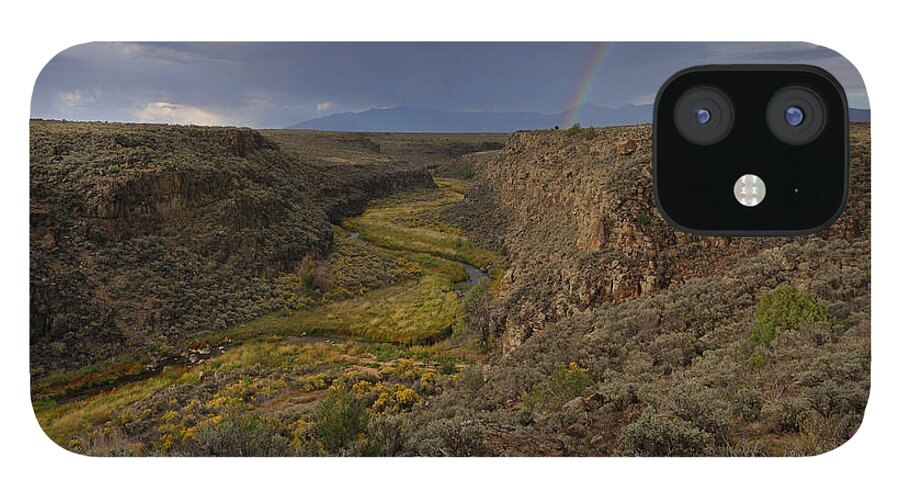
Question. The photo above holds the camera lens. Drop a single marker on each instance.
(796, 115)
(793, 115)
(703, 115)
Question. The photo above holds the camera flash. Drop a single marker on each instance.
(749, 190)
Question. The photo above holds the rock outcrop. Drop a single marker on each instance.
(574, 211)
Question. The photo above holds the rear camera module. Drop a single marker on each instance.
(796, 115)
(704, 115)
(751, 150)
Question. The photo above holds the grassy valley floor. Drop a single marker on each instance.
(373, 329)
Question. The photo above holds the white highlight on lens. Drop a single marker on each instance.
(749, 190)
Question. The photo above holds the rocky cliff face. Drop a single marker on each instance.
(144, 234)
(575, 213)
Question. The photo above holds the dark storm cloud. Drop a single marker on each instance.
(276, 84)
(639, 69)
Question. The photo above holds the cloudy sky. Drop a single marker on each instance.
(273, 85)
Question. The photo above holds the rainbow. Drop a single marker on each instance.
(584, 84)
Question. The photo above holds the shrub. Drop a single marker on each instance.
(446, 365)
(301, 432)
(108, 440)
(791, 413)
(315, 275)
(831, 399)
(406, 398)
(756, 361)
(820, 434)
(618, 392)
(384, 437)
(428, 383)
(660, 435)
(361, 388)
(573, 130)
(565, 384)
(785, 307)
(524, 416)
(474, 314)
(701, 405)
(449, 437)
(341, 419)
(749, 402)
(576, 130)
(392, 399)
(472, 378)
(238, 434)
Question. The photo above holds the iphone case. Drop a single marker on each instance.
(418, 249)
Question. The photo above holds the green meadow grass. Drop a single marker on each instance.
(406, 314)
(64, 420)
(385, 224)
(437, 265)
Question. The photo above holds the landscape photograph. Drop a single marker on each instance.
(418, 249)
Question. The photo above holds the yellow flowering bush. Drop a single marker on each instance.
(300, 432)
(428, 381)
(406, 397)
(397, 398)
(360, 388)
(315, 382)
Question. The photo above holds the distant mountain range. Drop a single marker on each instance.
(412, 119)
(860, 114)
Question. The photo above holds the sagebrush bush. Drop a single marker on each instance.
(791, 413)
(702, 406)
(238, 434)
(472, 378)
(831, 399)
(749, 403)
(619, 392)
(456, 436)
(661, 435)
(384, 437)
